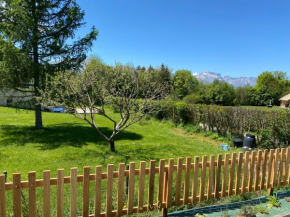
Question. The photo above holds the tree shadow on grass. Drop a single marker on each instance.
(59, 135)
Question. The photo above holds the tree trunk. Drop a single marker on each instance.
(112, 146)
(36, 76)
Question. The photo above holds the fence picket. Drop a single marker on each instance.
(120, 200)
(286, 179)
(98, 191)
(151, 185)
(141, 186)
(2, 196)
(210, 177)
(169, 183)
(232, 174)
(46, 193)
(202, 178)
(73, 192)
(274, 168)
(161, 183)
(257, 173)
(178, 181)
(263, 173)
(218, 176)
(17, 194)
(269, 168)
(86, 191)
(281, 163)
(32, 193)
(225, 175)
(60, 192)
(186, 180)
(245, 172)
(109, 195)
(195, 180)
(131, 188)
(239, 170)
(252, 164)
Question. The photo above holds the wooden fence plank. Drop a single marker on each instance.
(2, 196)
(73, 191)
(32, 193)
(46, 193)
(109, 195)
(195, 180)
(257, 171)
(178, 181)
(225, 175)
(210, 177)
(161, 183)
(287, 169)
(151, 185)
(169, 183)
(263, 173)
(17, 195)
(141, 186)
(60, 192)
(218, 176)
(281, 166)
(131, 188)
(86, 191)
(251, 172)
(120, 200)
(164, 198)
(232, 174)
(98, 191)
(239, 170)
(202, 178)
(186, 181)
(274, 168)
(245, 172)
(269, 168)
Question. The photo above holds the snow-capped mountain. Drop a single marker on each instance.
(208, 77)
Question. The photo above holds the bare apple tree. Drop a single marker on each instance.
(90, 92)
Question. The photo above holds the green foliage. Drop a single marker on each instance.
(261, 209)
(184, 83)
(200, 215)
(273, 201)
(248, 211)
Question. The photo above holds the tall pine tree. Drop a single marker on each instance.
(40, 30)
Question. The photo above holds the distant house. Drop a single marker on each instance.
(285, 101)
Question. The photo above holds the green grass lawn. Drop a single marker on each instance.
(69, 142)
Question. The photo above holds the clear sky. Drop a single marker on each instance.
(230, 37)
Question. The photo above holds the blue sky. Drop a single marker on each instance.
(230, 37)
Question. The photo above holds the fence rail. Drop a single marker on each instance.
(166, 185)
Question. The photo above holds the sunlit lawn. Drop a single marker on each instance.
(69, 142)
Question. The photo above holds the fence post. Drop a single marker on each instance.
(5, 173)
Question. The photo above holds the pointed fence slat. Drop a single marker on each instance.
(32, 193)
(131, 188)
(245, 172)
(98, 191)
(263, 173)
(73, 191)
(257, 173)
(232, 174)
(120, 201)
(225, 175)
(109, 196)
(46, 193)
(161, 183)
(169, 183)
(239, 170)
(86, 191)
(141, 186)
(17, 195)
(60, 192)
(218, 176)
(151, 185)
(186, 181)
(286, 179)
(210, 177)
(202, 178)
(178, 181)
(2, 196)
(269, 168)
(195, 180)
(281, 166)
(251, 172)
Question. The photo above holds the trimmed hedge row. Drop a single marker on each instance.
(272, 127)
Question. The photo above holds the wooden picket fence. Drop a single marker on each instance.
(168, 185)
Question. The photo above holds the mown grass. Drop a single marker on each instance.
(69, 142)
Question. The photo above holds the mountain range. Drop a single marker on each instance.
(209, 77)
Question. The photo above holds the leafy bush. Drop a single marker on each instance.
(272, 201)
